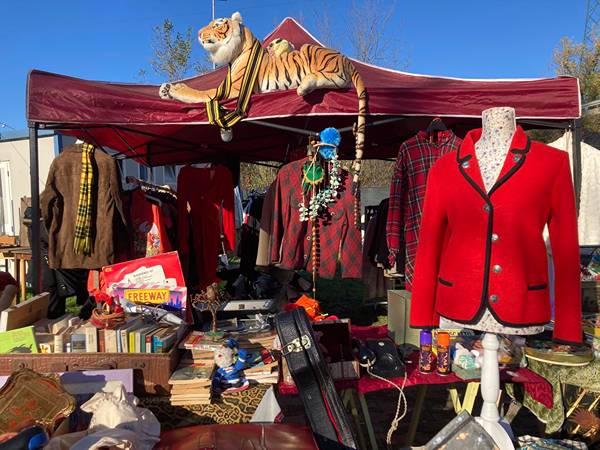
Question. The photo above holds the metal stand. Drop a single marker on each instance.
(34, 171)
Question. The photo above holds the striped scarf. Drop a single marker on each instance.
(227, 118)
(83, 225)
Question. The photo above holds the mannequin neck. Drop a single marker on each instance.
(499, 125)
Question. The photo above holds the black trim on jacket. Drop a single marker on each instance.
(484, 302)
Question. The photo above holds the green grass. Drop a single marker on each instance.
(72, 306)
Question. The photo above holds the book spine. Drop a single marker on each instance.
(118, 341)
(143, 341)
(91, 339)
(138, 339)
(131, 337)
(124, 341)
(111, 341)
(102, 340)
(149, 343)
(59, 345)
(78, 343)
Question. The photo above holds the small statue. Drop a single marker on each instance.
(212, 299)
(231, 361)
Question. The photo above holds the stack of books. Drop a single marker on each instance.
(200, 341)
(191, 385)
(70, 334)
(255, 342)
(263, 374)
(198, 358)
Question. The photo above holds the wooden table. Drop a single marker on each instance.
(20, 256)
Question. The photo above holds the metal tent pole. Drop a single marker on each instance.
(34, 173)
(577, 168)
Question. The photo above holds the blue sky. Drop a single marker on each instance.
(111, 39)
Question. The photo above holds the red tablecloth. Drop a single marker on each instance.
(535, 385)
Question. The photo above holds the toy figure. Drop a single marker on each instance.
(231, 361)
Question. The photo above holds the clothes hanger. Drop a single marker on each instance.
(434, 127)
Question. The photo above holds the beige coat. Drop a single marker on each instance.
(59, 208)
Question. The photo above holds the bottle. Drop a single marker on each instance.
(443, 353)
(426, 355)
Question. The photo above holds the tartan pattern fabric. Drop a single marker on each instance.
(222, 117)
(82, 243)
(338, 239)
(407, 192)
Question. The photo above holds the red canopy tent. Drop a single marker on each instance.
(134, 121)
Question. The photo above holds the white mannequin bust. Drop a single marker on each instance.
(499, 126)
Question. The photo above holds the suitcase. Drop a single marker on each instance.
(151, 371)
(270, 436)
(323, 406)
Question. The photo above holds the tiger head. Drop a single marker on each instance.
(223, 39)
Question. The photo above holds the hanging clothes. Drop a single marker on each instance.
(206, 219)
(249, 240)
(265, 234)
(59, 204)
(339, 239)
(407, 191)
(149, 225)
(588, 220)
(375, 255)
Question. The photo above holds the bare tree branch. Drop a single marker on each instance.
(172, 53)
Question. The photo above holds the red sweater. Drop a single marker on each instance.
(201, 196)
(482, 250)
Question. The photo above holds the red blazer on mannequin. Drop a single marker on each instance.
(482, 250)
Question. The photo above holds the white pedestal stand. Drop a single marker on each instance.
(490, 390)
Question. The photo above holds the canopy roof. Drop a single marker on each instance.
(133, 120)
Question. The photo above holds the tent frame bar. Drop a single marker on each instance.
(313, 133)
(35, 243)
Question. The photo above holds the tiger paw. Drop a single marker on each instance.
(165, 91)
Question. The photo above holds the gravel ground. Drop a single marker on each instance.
(437, 412)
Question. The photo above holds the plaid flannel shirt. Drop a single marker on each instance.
(407, 191)
(338, 238)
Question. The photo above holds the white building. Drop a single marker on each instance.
(14, 173)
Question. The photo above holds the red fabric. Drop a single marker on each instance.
(149, 235)
(537, 386)
(201, 195)
(534, 189)
(137, 114)
(339, 239)
(407, 191)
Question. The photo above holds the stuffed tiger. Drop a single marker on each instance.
(311, 67)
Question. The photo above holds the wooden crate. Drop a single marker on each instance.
(151, 371)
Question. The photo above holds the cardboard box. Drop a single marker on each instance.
(399, 318)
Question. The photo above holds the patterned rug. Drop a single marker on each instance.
(231, 409)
